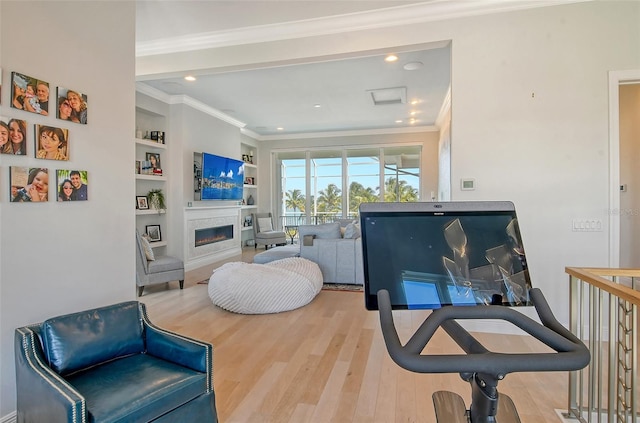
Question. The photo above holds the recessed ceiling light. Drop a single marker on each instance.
(391, 58)
(413, 113)
(411, 66)
(280, 128)
(399, 121)
(317, 106)
(190, 78)
(415, 101)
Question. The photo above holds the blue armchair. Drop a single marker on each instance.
(111, 364)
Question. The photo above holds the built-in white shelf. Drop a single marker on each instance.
(158, 244)
(150, 143)
(149, 211)
(250, 186)
(150, 177)
(250, 165)
(247, 228)
(249, 207)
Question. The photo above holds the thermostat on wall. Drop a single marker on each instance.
(467, 184)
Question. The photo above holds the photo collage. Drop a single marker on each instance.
(50, 141)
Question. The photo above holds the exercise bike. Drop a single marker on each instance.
(480, 367)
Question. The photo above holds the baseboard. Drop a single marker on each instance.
(9, 418)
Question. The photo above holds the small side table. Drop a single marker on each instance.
(292, 231)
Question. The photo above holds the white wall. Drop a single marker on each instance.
(195, 131)
(530, 124)
(64, 257)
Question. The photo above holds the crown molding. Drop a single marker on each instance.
(188, 101)
(381, 18)
(198, 105)
(153, 92)
(334, 134)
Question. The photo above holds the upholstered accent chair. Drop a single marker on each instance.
(111, 364)
(264, 231)
(151, 269)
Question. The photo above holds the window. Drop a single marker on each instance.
(321, 186)
(326, 185)
(363, 170)
(401, 174)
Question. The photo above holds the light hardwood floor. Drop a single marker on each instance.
(326, 362)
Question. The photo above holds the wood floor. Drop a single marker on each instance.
(326, 362)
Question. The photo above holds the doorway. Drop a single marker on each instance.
(624, 152)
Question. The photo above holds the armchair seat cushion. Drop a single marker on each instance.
(136, 388)
(272, 235)
(165, 264)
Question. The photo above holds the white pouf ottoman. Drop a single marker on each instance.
(250, 288)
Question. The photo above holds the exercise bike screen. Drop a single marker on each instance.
(430, 255)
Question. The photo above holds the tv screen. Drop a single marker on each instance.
(431, 255)
(222, 178)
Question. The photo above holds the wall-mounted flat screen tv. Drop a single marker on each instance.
(222, 178)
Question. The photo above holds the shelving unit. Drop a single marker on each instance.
(147, 121)
(251, 171)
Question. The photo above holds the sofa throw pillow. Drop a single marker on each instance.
(352, 231)
(148, 251)
(264, 223)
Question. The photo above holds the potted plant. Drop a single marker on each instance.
(156, 200)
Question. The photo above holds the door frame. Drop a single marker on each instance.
(616, 78)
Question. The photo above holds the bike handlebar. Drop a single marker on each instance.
(570, 352)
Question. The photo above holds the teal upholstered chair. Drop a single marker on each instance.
(111, 364)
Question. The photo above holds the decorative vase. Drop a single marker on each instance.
(250, 200)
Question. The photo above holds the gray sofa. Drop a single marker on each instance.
(338, 253)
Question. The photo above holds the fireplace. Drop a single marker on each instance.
(213, 235)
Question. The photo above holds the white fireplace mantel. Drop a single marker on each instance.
(207, 217)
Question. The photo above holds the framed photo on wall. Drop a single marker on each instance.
(29, 185)
(13, 136)
(153, 232)
(79, 180)
(29, 94)
(51, 143)
(72, 106)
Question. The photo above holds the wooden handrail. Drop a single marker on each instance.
(595, 276)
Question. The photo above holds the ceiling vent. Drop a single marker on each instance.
(384, 96)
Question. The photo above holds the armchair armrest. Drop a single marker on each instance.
(179, 349)
(42, 395)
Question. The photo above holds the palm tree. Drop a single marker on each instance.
(295, 200)
(359, 194)
(329, 200)
(396, 190)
